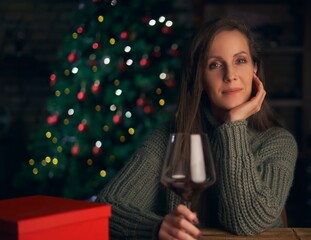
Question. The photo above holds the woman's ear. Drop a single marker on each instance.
(255, 68)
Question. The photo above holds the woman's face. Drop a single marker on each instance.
(229, 71)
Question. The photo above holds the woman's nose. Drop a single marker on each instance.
(230, 74)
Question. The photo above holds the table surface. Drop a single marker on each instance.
(271, 234)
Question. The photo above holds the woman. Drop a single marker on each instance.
(222, 94)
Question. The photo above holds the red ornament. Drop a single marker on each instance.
(144, 62)
(81, 95)
(122, 66)
(80, 30)
(82, 127)
(96, 151)
(53, 119)
(95, 45)
(166, 30)
(148, 109)
(124, 35)
(156, 52)
(141, 102)
(170, 83)
(75, 149)
(96, 88)
(116, 119)
(173, 52)
(52, 79)
(72, 57)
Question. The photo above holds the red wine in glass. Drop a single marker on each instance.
(188, 167)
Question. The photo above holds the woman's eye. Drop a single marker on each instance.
(241, 60)
(214, 65)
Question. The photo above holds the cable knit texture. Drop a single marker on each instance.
(254, 176)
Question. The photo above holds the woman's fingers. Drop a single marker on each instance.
(250, 107)
(179, 228)
(179, 225)
(258, 99)
(187, 213)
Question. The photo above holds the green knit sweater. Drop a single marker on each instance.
(254, 175)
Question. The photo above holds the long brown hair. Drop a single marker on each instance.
(192, 97)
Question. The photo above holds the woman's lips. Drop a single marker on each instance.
(231, 91)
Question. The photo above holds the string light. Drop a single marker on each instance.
(71, 111)
(161, 19)
(55, 161)
(152, 22)
(131, 131)
(74, 35)
(59, 149)
(48, 134)
(98, 144)
(94, 69)
(118, 92)
(169, 23)
(112, 41)
(116, 82)
(162, 76)
(100, 18)
(106, 60)
(113, 108)
(31, 162)
(106, 128)
(98, 108)
(128, 114)
(57, 93)
(103, 173)
(35, 171)
(127, 49)
(129, 62)
(89, 162)
(74, 70)
(67, 91)
(161, 102)
(48, 159)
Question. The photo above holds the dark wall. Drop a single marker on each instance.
(31, 33)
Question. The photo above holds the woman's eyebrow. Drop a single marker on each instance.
(241, 52)
(236, 54)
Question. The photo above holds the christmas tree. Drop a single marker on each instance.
(114, 84)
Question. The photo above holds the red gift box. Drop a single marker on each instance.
(51, 218)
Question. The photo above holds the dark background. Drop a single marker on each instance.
(31, 33)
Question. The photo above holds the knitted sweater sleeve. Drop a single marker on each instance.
(255, 178)
(135, 193)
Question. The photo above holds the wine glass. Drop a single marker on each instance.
(188, 166)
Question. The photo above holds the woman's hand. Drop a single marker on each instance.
(179, 224)
(250, 107)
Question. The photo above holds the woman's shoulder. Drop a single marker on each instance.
(278, 132)
(277, 136)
